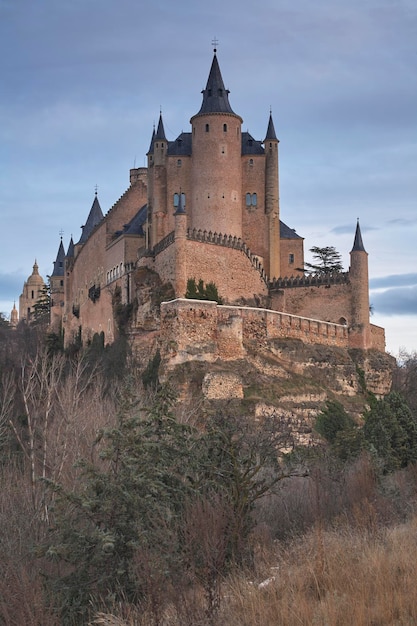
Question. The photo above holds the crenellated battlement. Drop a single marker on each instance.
(313, 280)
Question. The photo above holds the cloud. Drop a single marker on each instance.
(394, 281)
(401, 301)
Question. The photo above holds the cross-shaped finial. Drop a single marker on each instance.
(61, 232)
(96, 188)
(215, 43)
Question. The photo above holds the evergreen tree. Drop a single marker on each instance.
(327, 261)
(42, 307)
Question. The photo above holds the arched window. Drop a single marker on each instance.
(207, 128)
(225, 128)
(179, 162)
(177, 199)
(248, 199)
(250, 162)
(254, 199)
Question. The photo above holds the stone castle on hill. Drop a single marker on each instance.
(206, 207)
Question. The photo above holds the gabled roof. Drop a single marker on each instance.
(59, 261)
(285, 232)
(251, 145)
(94, 217)
(215, 95)
(358, 243)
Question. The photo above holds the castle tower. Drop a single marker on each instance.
(94, 217)
(359, 279)
(31, 291)
(14, 316)
(216, 172)
(272, 200)
(180, 249)
(57, 288)
(157, 200)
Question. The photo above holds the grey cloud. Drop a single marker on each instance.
(402, 301)
(394, 281)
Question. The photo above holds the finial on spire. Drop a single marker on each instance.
(61, 233)
(215, 43)
(96, 189)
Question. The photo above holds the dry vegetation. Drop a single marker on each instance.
(335, 545)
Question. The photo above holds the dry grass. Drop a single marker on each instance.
(334, 578)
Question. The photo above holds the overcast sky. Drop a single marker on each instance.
(82, 83)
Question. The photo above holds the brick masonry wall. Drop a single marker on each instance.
(194, 329)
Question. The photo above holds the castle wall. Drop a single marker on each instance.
(203, 330)
(330, 303)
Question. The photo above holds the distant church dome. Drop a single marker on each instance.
(35, 279)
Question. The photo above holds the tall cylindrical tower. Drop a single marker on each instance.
(359, 326)
(272, 200)
(216, 172)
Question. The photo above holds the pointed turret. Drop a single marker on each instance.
(94, 217)
(14, 316)
(150, 151)
(215, 96)
(270, 133)
(358, 243)
(70, 251)
(359, 334)
(160, 131)
(272, 200)
(59, 262)
(216, 170)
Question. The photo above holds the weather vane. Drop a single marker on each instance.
(215, 43)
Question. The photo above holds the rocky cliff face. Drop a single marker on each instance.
(285, 377)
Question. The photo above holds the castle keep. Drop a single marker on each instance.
(207, 207)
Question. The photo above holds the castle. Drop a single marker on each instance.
(207, 207)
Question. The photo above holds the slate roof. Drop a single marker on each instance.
(251, 145)
(94, 217)
(358, 243)
(286, 232)
(270, 133)
(59, 262)
(215, 95)
(135, 226)
(181, 146)
(70, 251)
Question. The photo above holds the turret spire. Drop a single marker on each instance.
(358, 243)
(270, 133)
(160, 131)
(215, 95)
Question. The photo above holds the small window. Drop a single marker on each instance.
(225, 128)
(179, 162)
(254, 199)
(250, 162)
(248, 199)
(61, 282)
(291, 259)
(176, 199)
(33, 294)
(207, 128)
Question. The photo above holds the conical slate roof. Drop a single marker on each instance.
(59, 262)
(160, 131)
(270, 133)
(215, 96)
(70, 251)
(358, 243)
(94, 217)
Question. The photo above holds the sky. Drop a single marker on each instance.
(82, 83)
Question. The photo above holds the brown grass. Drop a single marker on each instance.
(334, 578)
